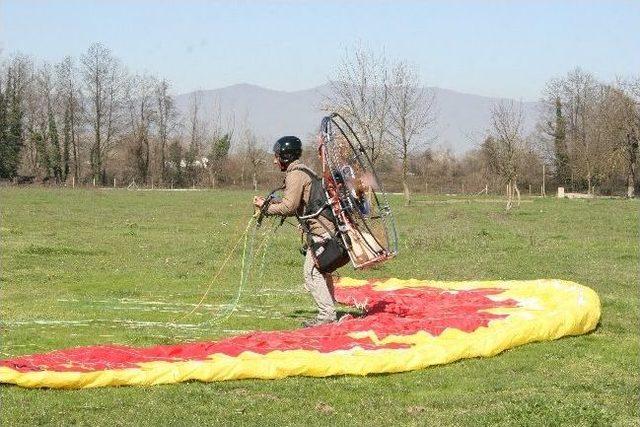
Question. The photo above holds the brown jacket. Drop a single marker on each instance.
(297, 188)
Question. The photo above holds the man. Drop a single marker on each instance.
(296, 192)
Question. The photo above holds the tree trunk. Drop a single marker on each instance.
(573, 188)
(147, 157)
(65, 159)
(407, 194)
(254, 177)
(631, 177)
(163, 169)
(76, 169)
(96, 161)
(74, 143)
(405, 172)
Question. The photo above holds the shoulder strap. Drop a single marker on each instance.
(307, 170)
(303, 223)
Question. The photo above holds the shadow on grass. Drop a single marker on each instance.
(341, 311)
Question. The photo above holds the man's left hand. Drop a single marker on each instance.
(258, 201)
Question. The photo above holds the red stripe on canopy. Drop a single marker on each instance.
(398, 312)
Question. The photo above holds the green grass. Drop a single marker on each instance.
(93, 267)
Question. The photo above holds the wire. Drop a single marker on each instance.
(215, 277)
(244, 273)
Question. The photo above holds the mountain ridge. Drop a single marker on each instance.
(462, 121)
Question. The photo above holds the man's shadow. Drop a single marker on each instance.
(340, 311)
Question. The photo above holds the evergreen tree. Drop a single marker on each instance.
(11, 122)
(221, 146)
(55, 157)
(3, 132)
(218, 157)
(42, 153)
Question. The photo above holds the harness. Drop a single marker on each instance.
(318, 203)
(328, 254)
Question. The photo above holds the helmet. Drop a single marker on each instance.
(288, 149)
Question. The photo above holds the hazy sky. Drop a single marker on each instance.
(497, 48)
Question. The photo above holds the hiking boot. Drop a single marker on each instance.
(345, 317)
(317, 322)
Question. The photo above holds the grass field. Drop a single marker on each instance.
(83, 267)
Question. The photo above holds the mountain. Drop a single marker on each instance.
(462, 119)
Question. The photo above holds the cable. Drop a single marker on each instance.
(215, 277)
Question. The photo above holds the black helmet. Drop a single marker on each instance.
(288, 149)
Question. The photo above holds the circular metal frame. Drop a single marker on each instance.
(351, 209)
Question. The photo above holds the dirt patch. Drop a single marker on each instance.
(324, 408)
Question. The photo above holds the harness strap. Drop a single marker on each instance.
(325, 212)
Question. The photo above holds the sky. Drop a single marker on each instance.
(492, 48)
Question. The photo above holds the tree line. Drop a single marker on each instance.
(586, 136)
(90, 121)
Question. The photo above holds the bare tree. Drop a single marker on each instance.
(579, 92)
(196, 134)
(255, 156)
(40, 125)
(582, 124)
(166, 122)
(506, 142)
(196, 126)
(627, 113)
(360, 92)
(552, 132)
(142, 114)
(104, 81)
(438, 169)
(411, 112)
(221, 139)
(424, 161)
(71, 104)
(57, 159)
